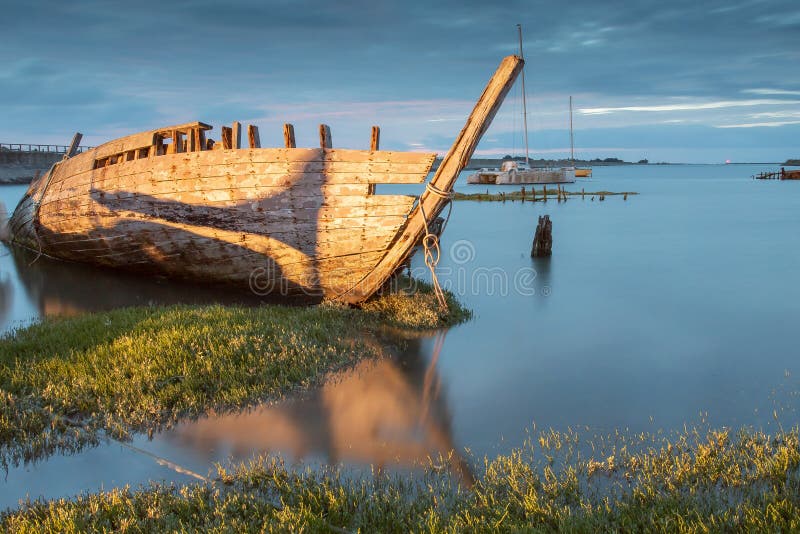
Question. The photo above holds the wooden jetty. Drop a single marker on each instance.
(295, 221)
(782, 174)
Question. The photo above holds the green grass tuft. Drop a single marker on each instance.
(65, 383)
(692, 482)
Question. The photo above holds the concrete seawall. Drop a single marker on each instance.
(18, 167)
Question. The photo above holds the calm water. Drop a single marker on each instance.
(678, 304)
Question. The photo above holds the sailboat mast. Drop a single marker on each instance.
(524, 104)
(571, 138)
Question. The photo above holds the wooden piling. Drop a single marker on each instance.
(543, 238)
(375, 140)
(325, 140)
(583, 194)
(73, 146)
(227, 137)
(288, 136)
(254, 140)
(237, 134)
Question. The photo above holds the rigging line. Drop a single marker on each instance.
(160, 460)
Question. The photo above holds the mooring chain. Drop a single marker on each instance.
(430, 242)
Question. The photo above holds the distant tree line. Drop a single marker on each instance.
(792, 162)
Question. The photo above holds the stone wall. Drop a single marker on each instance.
(20, 167)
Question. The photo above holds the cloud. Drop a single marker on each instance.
(109, 68)
(758, 124)
(688, 106)
(772, 92)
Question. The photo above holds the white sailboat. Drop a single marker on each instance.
(579, 172)
(514, 172)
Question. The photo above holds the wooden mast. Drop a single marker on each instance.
(524, 98)
(571, 138)
(431, 202)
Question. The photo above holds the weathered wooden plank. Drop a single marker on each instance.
(270, 174)
(120, 239)
(254, 140)
(375, 141)
(191, 141)
(140, 140)
(271, 183)
(236, 135)
(392, 160)
(216, 217)
(73, 146)
(227, 138)
(205, 247)
(199, 139)
(288, 136)
(234, 200)
(222, 249)
(301, 209)
(325, 140)
(103, 218)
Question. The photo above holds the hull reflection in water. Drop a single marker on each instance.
(58, 288)
(383, 413)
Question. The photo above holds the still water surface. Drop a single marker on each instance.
(678, 304)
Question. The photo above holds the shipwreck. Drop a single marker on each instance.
(288, 220)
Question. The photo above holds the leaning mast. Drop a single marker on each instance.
(524, 105)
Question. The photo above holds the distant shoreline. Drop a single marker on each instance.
(481, 163)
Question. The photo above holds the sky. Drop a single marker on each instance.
(668, 80)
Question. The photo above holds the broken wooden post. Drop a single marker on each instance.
(198, 137)
(544, 189)
(253, 139)
(177, 142)
(543, 238)
(227, 137)
(583, 194)
(523, 193)
(191, 141)
(73, 146)
(533, 187)
(325, 140)
(288, 136)
(625, 196)
(237, 134)
(376, 138)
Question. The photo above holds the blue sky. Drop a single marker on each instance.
(665, 80)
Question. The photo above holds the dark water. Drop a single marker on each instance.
(677, 305)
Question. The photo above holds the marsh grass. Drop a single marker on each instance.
(67, 383)
(694, 481)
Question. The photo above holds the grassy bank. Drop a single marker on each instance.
(537, 195)
(693, 482)
(67, 383)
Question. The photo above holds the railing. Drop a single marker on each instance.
(27, 147)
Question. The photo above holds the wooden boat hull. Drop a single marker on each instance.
(583, 173)
(288, 221)
(294, 221)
